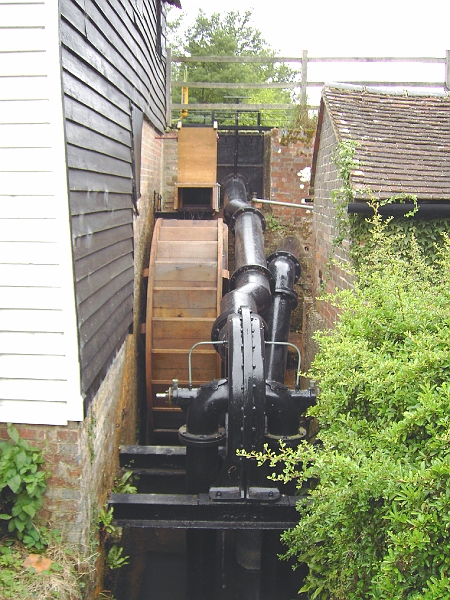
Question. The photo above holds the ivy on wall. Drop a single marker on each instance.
(428, 233)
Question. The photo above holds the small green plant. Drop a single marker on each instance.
(272, 223)
(124, 485)
(22, 485)
(105, 520)
(115, 559)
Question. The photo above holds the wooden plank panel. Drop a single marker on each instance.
(91, 242)
(92, 325)
(170, 365)
(79, 91)
(189, 273)
(168, 223)
(31, 275)
(80, 180)
(32, 343)
(73, 65)
(87, 160)
(77, 135)
(187, 313)
(195, 249)
(92, 262)
(184, 298)
(96, 300)
(89, 202)
(88, 118)
(197, 155)
(188, 233)
(180, 333)
(89, 285)
(100, 221)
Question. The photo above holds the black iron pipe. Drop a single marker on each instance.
(428, 210)
(203, 413)
(285, 269)
(251, 282)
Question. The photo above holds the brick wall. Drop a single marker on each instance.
(327, 276)
(170, 173)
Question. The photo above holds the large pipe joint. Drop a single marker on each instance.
(285, 270)
(203, 413)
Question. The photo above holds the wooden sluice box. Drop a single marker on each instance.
(197, 187)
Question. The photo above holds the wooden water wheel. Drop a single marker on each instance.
(187, 262)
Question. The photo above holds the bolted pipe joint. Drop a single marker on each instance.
(203, 412)
(284, 408)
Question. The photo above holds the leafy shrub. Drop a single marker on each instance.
(22, 485)
(378, 523)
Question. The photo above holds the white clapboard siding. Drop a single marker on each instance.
(23, 366)
(29, 230)
(39, 365)
(29, 207)
(22, 40)
(20, 159)
(31, 298)
(19, 88)
(34, 412)
(29, 253)
(31, 275)
(32, 343)
(24, 111)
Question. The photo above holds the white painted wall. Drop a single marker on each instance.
(39, 368)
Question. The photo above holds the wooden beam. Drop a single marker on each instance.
(276, 59)
(206, 85)
(247, 107)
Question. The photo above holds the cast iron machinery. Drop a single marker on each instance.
(246, 408)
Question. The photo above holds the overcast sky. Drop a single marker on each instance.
(340, 27)
(349, 28)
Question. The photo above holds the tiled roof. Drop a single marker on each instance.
(403, 141)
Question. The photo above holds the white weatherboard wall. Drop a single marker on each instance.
(39, 369)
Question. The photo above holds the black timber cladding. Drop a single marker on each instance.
(113, 73)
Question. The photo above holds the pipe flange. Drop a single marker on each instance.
(204, 440)
(291, 294)
(245, 209)
(289, 440)
(289, 256)
(246, 269)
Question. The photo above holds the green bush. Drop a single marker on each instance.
(22, 486)
(378, 521)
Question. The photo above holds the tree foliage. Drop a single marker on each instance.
(227, 34)
(378, 524)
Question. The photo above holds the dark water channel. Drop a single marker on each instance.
(158, 569)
